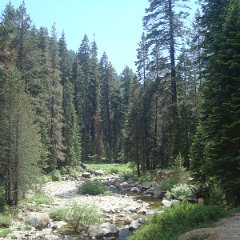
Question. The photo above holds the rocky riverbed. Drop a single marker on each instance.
(122, 208)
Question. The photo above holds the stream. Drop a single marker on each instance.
(121, 209)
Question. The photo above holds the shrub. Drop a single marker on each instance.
(180, 192)
(91, 188)
(178, 220)
(77, 215)
(177, 175)
(4, 232)
(114, 170)
(56, 175)
(58, 214)
(81, 215)
(40, 198)
(216, 194)
(5, 221)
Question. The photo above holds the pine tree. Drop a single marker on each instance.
(20, 140)
(71, 127)
(55, 104)
(83, 56)
(219, 123)
(142, 59)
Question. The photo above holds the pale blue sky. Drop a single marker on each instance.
(116, 24)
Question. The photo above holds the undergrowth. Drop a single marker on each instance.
(91, 188)
(178, 220)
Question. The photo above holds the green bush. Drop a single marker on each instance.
(40, 198)
(180, 192)
(114, 170)
(178, 220)
(5, 221)
(4, 232)
(56, 176)
(58, 214)
(81, 215)
(176, 175)
(91, 188)
(77, 215)
(216, 194)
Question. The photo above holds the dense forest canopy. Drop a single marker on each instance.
(60, 108)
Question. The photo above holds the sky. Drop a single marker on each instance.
(116, 25)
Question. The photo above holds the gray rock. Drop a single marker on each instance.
(99, 172)
(146, 185)
(124, 184)
(58, 225)
(109, 230)
(142, 211)
(86, 174)
(95, 231)
(134, 225)
(157, 194)
(135, 190)
(169, 203)
(38, 220)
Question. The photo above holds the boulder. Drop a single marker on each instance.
(146, 185)
(109, 230)
(38, 220)
(169, 203)
(86, 175)
(95, 231)
(99, 172)
(135, 190)
(124, 184)
(158, 194)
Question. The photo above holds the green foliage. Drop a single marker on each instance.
(81, 215)
(77, 215)
(56, 175)
(40, 198)
(217, 195)
(180, 192)
(177, 175)
(5, 220)
(215, 150)
(2, 199)
(178, 220)
(91, 188)
(58, 214)
(5, 232)
(110, 168)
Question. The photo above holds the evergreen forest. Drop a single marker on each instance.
(60, 109)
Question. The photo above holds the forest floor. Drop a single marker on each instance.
(226, 229)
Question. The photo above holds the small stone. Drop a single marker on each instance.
(135, 190)
(99, 172)
(124, 184)
(134, 225)
(86, 174)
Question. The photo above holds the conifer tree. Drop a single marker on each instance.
(55, 104)
(71, 127)
(20, 139)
